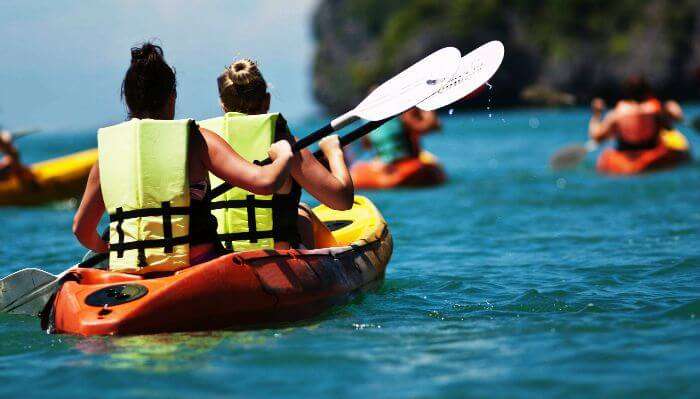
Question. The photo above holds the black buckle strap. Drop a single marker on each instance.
(167, 243)
(120, 214)
(252, 223)
(236, 204)
(146, 244)
(120, 230)
(167, 227)
(252, 235)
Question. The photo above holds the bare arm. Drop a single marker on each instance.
(673, 111)
(334, 188)
(224, 162)
(88, 216)
(5, 161)
(599, 128)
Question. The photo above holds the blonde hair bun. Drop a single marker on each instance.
(242, 87)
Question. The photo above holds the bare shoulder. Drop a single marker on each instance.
(211, 138)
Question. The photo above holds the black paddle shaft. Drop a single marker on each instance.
(307, 141)
(361, 131)
(298, 146)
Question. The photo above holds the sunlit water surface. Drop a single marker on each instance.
(509, 281)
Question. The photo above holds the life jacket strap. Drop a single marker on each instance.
(168, 242)
(250, 203)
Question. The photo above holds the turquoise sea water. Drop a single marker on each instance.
(509, 281)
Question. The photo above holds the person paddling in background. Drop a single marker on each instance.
(637, 120)
(10, 164)
(280, 221)
(153, 177)
(399, 138)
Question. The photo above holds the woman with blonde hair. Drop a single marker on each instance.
(245, 101)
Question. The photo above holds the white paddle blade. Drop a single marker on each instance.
(410, 87)
(475, 69)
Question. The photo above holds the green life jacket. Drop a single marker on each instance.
(145, 187)
(245, 220)
(390, 142)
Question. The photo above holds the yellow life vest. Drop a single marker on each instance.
(245, 220)
(145, 187)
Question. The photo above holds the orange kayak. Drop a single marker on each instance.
(245, 289)
(54, 180)
(415, 172)
(671, 151)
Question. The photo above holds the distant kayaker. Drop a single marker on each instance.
(637, 120)
(249, 128)
(399, 138)
(157, 201)
(10, 164)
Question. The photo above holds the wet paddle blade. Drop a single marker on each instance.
(411, 86)
(33, 303)
(475, 69)
(20, 284)
(568, 157)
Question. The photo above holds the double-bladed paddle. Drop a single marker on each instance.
(474, 71)
(29, 290)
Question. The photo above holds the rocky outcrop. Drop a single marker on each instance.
(553, 48)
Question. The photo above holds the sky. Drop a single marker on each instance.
(62, 62)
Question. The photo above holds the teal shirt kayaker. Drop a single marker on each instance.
(390, 141)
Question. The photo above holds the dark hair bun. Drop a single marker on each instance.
(149, 83)
(147, 53)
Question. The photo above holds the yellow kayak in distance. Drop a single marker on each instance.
(55, 179)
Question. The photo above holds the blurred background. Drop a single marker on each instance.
(62, 61)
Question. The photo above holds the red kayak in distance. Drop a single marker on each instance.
(672, 150)
(424, 171)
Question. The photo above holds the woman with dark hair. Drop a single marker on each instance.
(153, 177)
